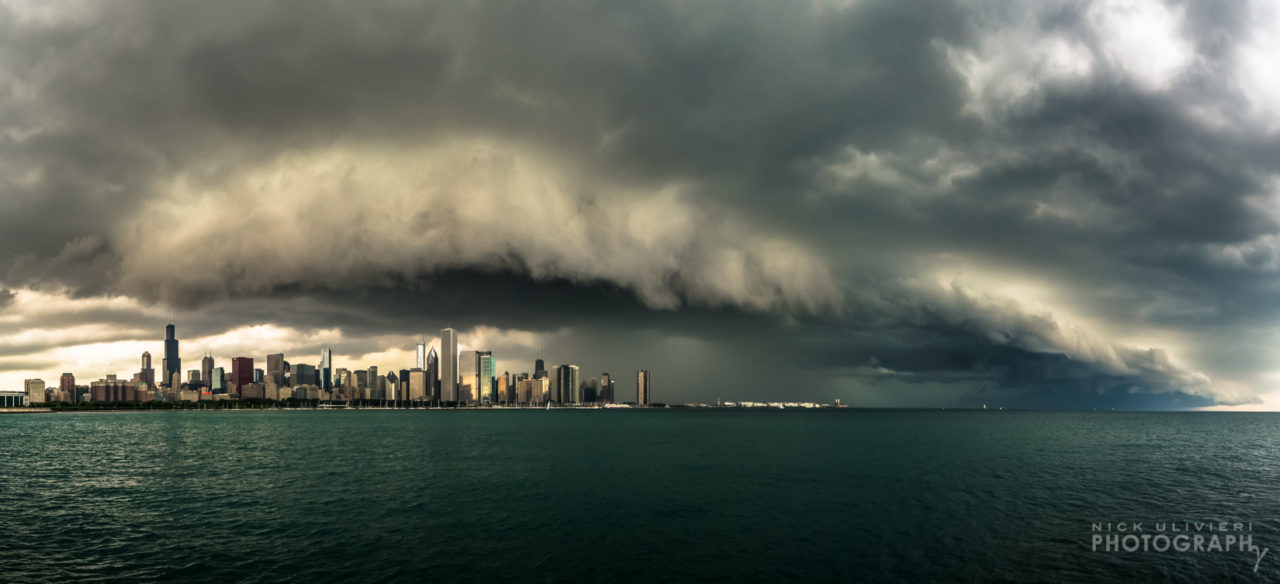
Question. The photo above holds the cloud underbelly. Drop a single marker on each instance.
(347, 219)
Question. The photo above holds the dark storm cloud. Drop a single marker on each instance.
(760, 179)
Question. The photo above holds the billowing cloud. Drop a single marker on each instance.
(1004, 322)
(343, 220)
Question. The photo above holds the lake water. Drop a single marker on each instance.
(631, 495)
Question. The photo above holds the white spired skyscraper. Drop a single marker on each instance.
(642, 387)
(449, 365)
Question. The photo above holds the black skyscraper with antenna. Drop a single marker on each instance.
(172, 363)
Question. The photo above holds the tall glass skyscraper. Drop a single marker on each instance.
(172, 363)
(422, 355)
(484, 376)
(326, 369)
(449, 365)
(567, 382)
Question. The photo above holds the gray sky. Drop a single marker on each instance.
(1039, 204)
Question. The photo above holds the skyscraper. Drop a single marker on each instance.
(147, 375)
(372, 393)
(484, 376)
(326, 369)
(433, 376)
(531, 391)
(206, 370)
(553, 386)
(449, 365)
(34, 388)
(275, 368)
(304, 374)
(172, 363)
(505, 393)
(642, 387)
(422, 355)
(418, 388)
(67, 387)
(241, 372)
(575, 385)
(567, 384)
(606, 388)
(218, 383)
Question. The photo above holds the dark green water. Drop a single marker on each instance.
(626, 496)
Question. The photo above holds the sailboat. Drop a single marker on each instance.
(548, 405)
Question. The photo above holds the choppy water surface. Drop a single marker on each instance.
(638, 496)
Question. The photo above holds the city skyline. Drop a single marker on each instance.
(479, 382)
(1057, 205)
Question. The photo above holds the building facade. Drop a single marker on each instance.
(304, 374)
(13, 399)
(67, 386)
(275, 368)
(34, 388)
(418, 385)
